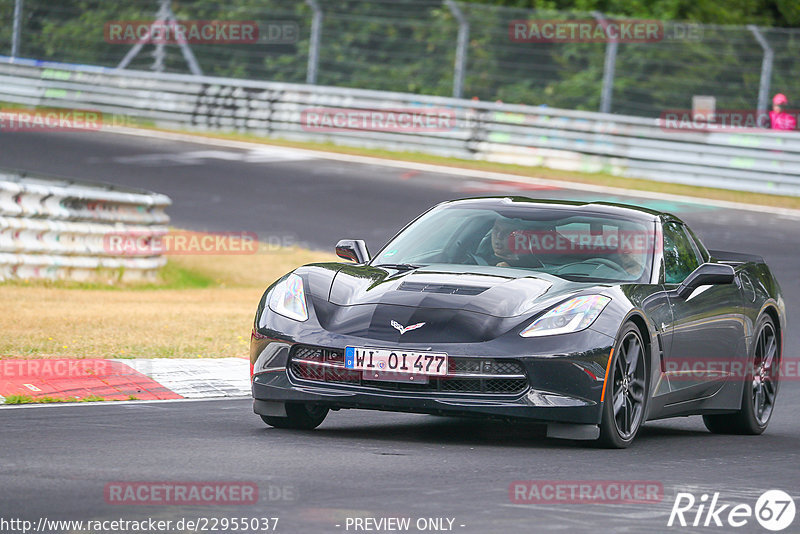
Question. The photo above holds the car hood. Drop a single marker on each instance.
(456, 303)
(429, 288)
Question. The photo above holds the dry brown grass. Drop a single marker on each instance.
(52, 321)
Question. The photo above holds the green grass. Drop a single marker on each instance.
(19, 399)
(25, 399)
(171, 276)
(176, 276)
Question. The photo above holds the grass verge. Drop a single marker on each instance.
(24, 399)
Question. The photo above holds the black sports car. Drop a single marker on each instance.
(589, 317)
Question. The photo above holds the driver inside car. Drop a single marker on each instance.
(504, 253)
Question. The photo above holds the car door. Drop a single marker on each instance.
(707, 335)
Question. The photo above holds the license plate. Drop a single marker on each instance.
(395, 365)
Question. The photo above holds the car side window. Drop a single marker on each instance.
(680, 257)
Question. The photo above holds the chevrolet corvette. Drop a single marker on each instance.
(589, 318)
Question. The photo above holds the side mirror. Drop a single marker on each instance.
(705, 275)
(353, 250)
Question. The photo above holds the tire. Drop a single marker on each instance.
(626, 391)
(298, 417)
(760, 389)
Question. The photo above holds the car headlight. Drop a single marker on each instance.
(289, 299)
(572, 315)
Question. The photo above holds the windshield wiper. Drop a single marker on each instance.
(399, 266)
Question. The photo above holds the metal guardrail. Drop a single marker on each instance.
(747, 160)
(58, 229)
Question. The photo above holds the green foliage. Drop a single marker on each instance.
(25, 399)
(409, 46)
(19, 399)
(783, 13)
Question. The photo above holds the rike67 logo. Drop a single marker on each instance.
(774, 510)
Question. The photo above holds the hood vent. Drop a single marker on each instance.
(450, 289)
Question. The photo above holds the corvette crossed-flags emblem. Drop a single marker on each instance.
(403, 329)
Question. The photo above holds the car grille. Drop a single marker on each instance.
(496, 376)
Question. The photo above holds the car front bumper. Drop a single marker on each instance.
(565, 375)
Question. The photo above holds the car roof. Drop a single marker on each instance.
(599, 207)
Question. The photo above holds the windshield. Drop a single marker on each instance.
(576, 246)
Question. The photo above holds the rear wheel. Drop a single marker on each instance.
(298, 416)
(625, 395)
(760, 387)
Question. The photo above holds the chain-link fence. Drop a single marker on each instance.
(434, 47)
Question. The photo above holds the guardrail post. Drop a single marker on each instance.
(461, 49)
(15, 36)
(608, 68)
(313, 46)
(766, 70)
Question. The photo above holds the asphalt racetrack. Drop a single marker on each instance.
(55, 461)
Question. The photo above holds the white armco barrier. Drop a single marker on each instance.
(662, 148)
(58, 229)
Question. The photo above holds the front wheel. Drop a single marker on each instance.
(298, 416)
(625, 396)
(760, 387)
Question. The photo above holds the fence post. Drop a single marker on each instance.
(461, 50)
(608, 68)
(17, 29)
(313, 45)
(766, 70)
